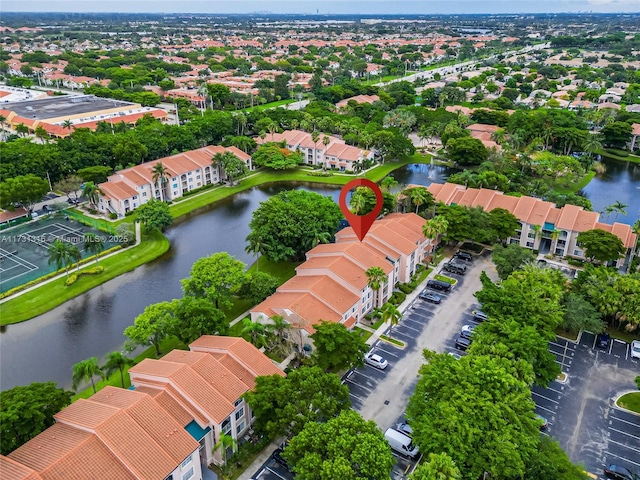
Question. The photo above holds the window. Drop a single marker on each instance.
(135, 197)
(188, 474)
(174, 179)
(144, 194)
(530, 244)
(175, 185)
(197, 177)
(240, 427)
(226, 426)
(237, 402)
(240, 413)
(175, 193)
(186, 462)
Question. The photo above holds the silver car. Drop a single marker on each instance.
(375, 361)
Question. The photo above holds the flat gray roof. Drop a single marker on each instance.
(62, 106)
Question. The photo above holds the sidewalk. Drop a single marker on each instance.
(260, 459)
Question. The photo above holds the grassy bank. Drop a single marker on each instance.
(563, 188)
(115, 381)
(41, 300)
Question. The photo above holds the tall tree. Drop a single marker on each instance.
(255, 332)
(61, 254)
(376, 278)
(214, 277)
(93, 244)
(194, 317)
(337, 348)
(86, 370)
(509, 258)
(224, 443)
(284, 405)
(601, 245)
(152, 326)
(26, 411)
(231, 165)
(440, 466)
(346, 446)
(154, 215)
(159, 175)
(92, 192)
(390, 314)
(117, 362)
(26, 190)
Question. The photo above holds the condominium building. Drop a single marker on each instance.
(129, 188)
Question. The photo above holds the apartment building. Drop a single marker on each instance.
(163, 428)
(335, 155)
(129, 188)
(332, 284)
(544, 227)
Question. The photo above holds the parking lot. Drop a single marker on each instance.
(581, 412)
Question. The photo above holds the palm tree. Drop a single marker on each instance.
(42, 134)
(279, 327)
(255, 331)
(93, 244)
(256, 247)
(388, 183)
(555, 234)
(435, 227)
(68, 125)
(22, 129)
(325, 141)
(159, 177)
(92, 192)
(315, 136)
(391, 314)
(272, 128)
(74, 256)
(320, 237)
(2, 120)
(618, 207)
(61, 253)
(376, 279)
(357, 202)
(419, 196)
(116, 361)
(591, 145)
(225, 442)
(86, 370)
(538, 232)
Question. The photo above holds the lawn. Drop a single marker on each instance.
(283, 271)
(364, 334)
(443, 278)
(41, 300)
(563, 188)
(114, 380)
(630, 401)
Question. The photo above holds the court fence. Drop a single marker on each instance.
(90, 222)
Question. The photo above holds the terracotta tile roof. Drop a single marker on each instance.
(357, 252)
(324, 289)
(351, 321)
(63, 451)
(293, 305)
(169, 404)
(117, 190)
(342, 267)
(10, 469)
(482, 127)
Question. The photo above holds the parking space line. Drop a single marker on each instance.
(369, 390)
(411, 328)
(356, 396)
(626, 421)
(387, 352)
(276, 474)
(622, 458)
(625, 446)
(546, 398)
(624, 433)
(545, 409)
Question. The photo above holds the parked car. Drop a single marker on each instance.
(455, 268)
(72, 201)
(462, 343)
(543, 422)
(602, 340)
(375, 361)
(479, 316)
(430, 297)
(401, 443)
(466, 256)
(404, 427)
(277, 456)
(620, 473)
(439, 285)
(467, 331)
(635, 349)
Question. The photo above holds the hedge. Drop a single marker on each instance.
(89, 271)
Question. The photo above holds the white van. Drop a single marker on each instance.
(401, 443)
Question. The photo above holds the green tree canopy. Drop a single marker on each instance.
(601, 245)
(284, 405)
(152, 325)
(154, 215)
(440, 466)
(581, 315)
(477, 411)
(257, 286)
(337, 348)
(616, 134)
(24, 189)
(509, 258)
(346, 447)
(214, 277)
(26, 411)
(504, 223)
(550, 462)
(467, 151)
(271, 155)
(193, 317)
(289, 223)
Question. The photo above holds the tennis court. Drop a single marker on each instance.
(24, 250)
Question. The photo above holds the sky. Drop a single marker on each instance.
(368, 7)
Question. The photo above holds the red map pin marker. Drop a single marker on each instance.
(360, 223)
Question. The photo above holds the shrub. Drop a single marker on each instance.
(113, 216)
(406, 288)
(397, 298)
(89, 271)
(129, 213)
